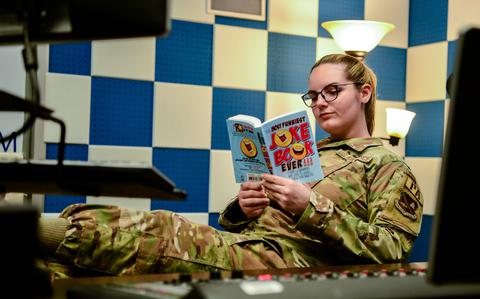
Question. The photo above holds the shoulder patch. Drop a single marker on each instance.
(407, 206)
(412, 187)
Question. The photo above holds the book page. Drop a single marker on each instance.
(292, 148)
(251, 120)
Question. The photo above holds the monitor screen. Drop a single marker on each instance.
(454, 257)
(71, 20)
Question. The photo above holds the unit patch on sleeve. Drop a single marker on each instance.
(407, 206)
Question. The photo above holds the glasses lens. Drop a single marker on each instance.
(309, 98)
(330, 93)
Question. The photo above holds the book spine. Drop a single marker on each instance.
(264, 150)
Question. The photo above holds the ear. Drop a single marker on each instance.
(366, 92)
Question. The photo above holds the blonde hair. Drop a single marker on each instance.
(359, 72)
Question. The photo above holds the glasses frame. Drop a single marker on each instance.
(336, 85)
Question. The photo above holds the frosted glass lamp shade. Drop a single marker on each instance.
(357, 37)
(398, 122)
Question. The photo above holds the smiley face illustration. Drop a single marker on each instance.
(283, 138)
(248, 147)
(298, 151)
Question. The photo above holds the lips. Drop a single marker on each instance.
(326, 115)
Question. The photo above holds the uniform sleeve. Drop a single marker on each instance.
(386, 234)
(232, 217)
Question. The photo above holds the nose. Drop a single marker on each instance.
(320, 102)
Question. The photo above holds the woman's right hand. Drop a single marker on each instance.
(252, 199)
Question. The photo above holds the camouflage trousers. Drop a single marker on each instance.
(118, 241)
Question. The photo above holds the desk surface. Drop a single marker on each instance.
(62, 285)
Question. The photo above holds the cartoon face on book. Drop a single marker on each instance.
(298, 151)
(283, 138)
(248, 147)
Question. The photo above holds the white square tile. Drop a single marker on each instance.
(326, 46)
(445, 118)
(380, 129)
(201, 218)
(426, 72)
(191, 10)
(462, 13)
(9, 123)
(12, 72)
(69, 96)
(427, 172)
(182, 116)
(132, 58)
(395, 12)
(120, 153)
(240, 59)
(278, 103)
(293, 17)
(222, 180)
(140, 204)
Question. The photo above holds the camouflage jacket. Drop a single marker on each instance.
(367, 208)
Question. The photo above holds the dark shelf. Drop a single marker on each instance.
(87, 178)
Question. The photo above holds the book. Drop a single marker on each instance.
(283, 146)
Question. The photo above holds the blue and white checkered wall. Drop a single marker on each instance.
(165, 100)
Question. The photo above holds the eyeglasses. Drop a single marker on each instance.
(329, 93)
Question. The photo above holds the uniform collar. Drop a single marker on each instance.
(357, 144)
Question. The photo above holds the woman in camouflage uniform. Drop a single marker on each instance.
(367, 209)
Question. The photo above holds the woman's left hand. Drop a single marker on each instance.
(289, 194)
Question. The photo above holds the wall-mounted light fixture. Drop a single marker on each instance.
(398, 124)
(357, 37)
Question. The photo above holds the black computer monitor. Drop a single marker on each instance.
(454, 255)
(74, 20)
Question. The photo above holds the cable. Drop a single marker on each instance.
(31, 65)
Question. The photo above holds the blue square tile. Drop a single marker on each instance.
(428, 21)
(230, 102)
(185, 55)
(452, 50)
(421, 246)
(240, 22)
(425, 137)
(329, 10)
(244, 22)
(70, 58)
(121, 112)
(77, 152)
(189, 170)
(290, 58)
(213, 221)
(56, 203)
(389, 64)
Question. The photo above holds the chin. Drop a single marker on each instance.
(328, 128)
